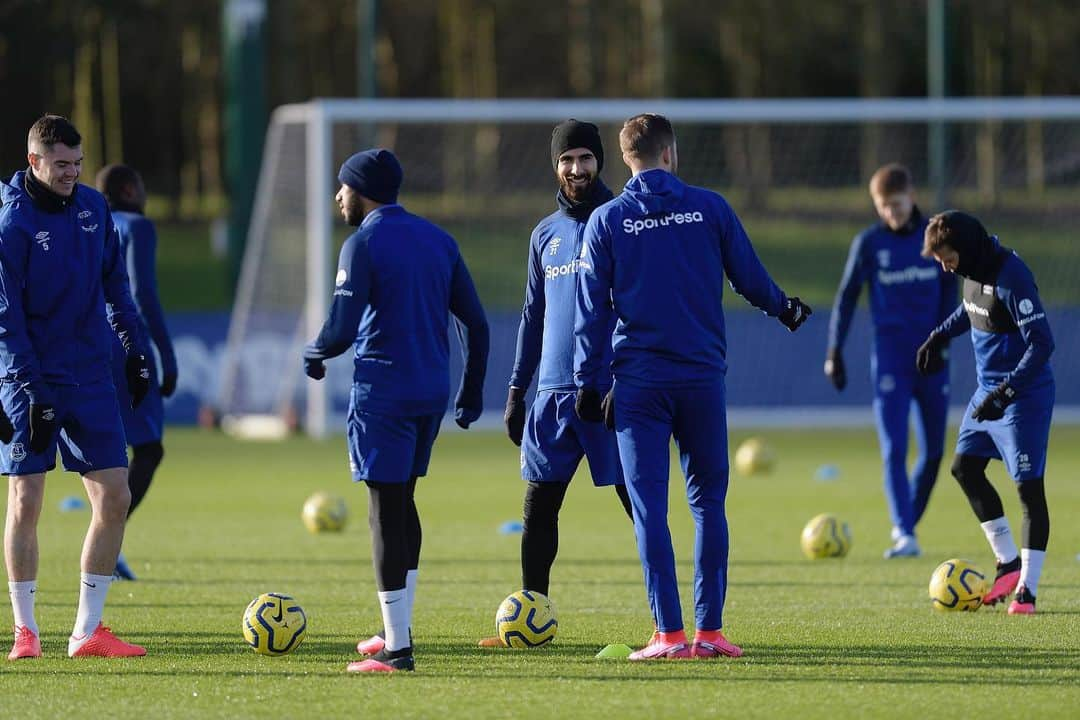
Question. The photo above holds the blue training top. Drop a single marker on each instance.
(909, 294)
(655, 256)
(398, 277)
(58, 269)
(546, 333)
(138, 244)
(1009, 329)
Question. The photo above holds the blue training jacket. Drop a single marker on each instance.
(546, 333)
(399, 277)
(57, 272)
(138, 244)
(909, 294)
(655, 256)
(1009, 329)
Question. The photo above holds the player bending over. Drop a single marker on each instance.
(1008, 417)
(143, 426)
(397, 277)
(655, 257)
(909, 296)
(552, 438)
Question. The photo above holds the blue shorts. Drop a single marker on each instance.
(556, 439)
(388, 449)
(143, 424)
(90, 437)
(1019, 439)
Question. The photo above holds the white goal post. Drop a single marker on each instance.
(285, 283)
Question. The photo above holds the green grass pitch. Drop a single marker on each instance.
(843, 638)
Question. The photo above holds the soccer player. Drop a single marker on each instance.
(909, 296)
(1008, 417)
(398, 276)
(655, 257)
(557, 439)
(60, 263)
(124, 190)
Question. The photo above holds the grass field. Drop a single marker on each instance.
(844, 638)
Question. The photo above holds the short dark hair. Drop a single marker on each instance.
(51, 129)
(645, 136)
(112, 179)
(890, 179)
(939, 233)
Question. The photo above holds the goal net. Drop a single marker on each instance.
(795, 171)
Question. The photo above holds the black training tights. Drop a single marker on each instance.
(395, 532)
(969, 471)
(144, 462)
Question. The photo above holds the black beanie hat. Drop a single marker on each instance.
(376, 174)
(571, 134)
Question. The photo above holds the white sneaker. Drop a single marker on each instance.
(896, 533)
(905, 546)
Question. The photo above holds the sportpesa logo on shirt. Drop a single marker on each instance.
(910, 274)
(552, 272)
(634, 227)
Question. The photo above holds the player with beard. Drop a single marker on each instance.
(398, 276)
(552, 438)
(1008, 417)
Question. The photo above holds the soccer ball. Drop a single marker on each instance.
(274, 624)
(826, 536)
(325, 512)
(957, 585)
(526, 619)
(754, 457)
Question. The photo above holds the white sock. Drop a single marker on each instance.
(410, 590)
(395, 617)
(1000, 538)
(1031, 562)
(92, 592)
(22, 603)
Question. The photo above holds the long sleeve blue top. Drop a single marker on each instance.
(1009, 330)
(138, 245)
(655, 257)
(63, 281)
(909, 294)
(546, 332)
(399, 278)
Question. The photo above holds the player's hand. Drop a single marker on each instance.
(514, 416)
(607, 406)
(588, 405)
(835, 370)
(7, 430)
(794, 314)
(931, 355)
(137, 371)
(314, 369)
(42, 426)
(168, 385)
(993, 405)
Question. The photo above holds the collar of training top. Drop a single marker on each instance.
(580, 211)
(44, 198)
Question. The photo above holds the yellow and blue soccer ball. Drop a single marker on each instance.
(754, 457)
(274, 624)
(826, 536)
(324, 512)
(526, 619)
(957, 585)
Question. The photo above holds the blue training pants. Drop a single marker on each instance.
(645, 421)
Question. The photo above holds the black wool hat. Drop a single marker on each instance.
(571, 134)
(376, 174)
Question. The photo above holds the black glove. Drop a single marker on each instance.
(993, 405)
(930, 357)
(834, 368)
(588, 405)
(168, 385)
(42, 427)
(138, 377)
(607, 406)
(514, 416)
(794, 314)
(314, 369)
(7, 430)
